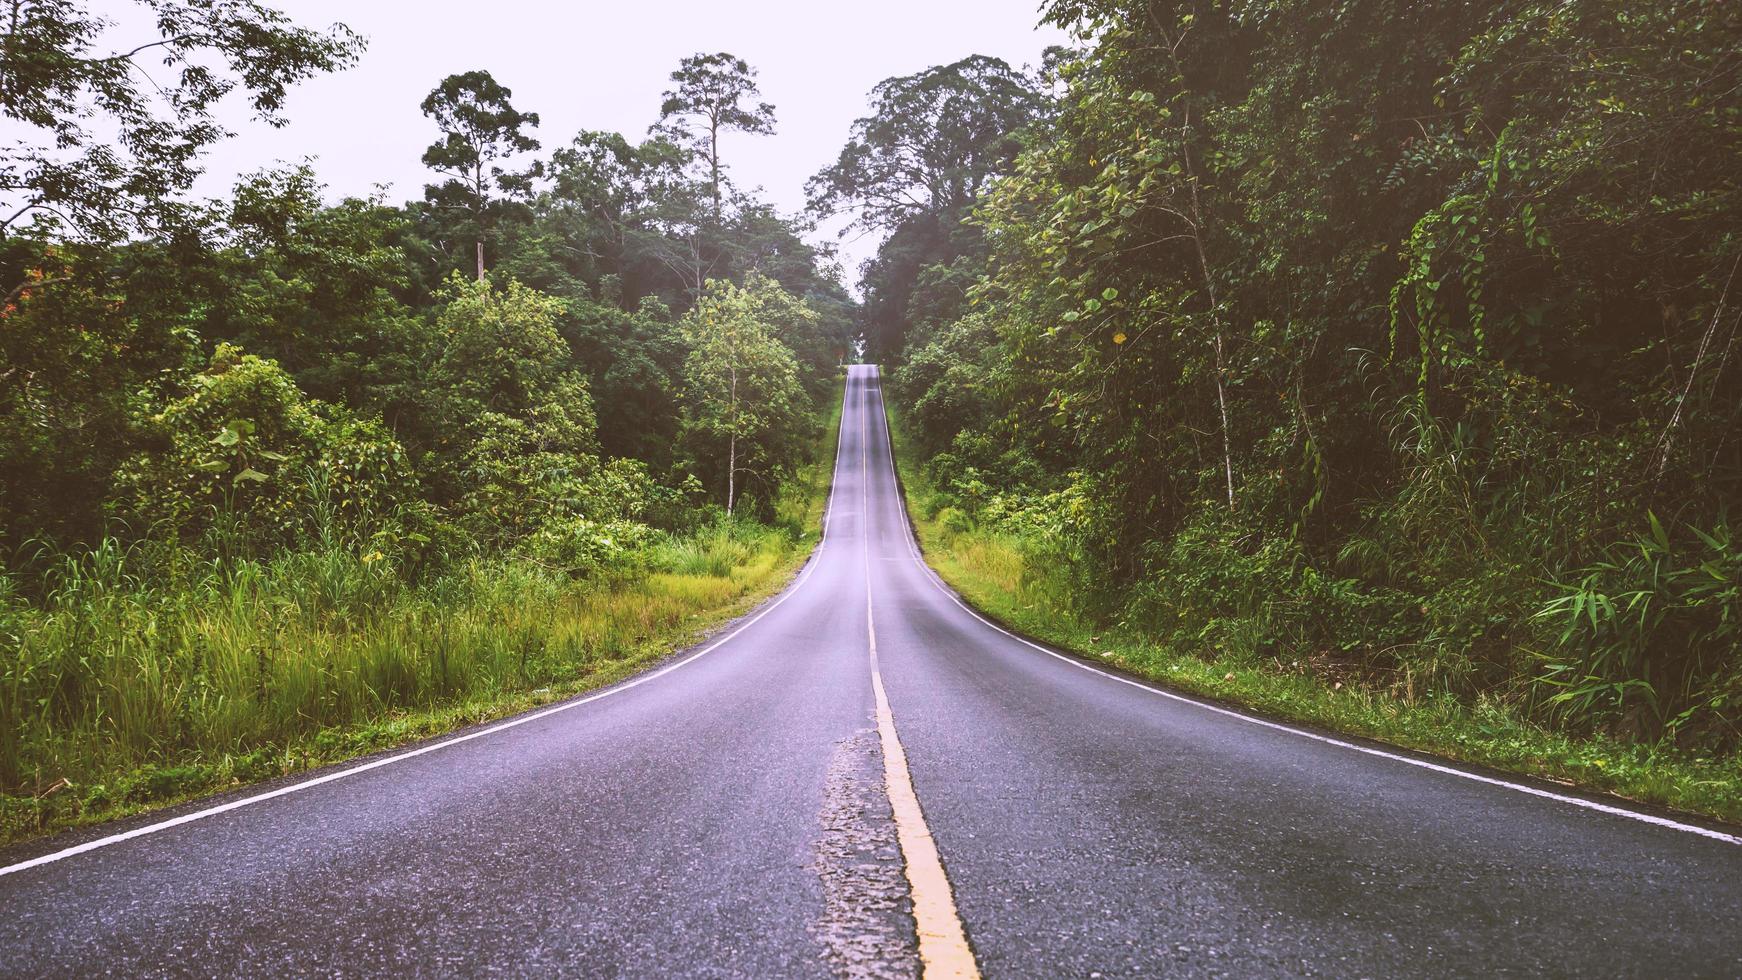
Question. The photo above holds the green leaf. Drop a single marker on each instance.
(251, 475)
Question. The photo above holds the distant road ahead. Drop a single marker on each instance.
(727, 816)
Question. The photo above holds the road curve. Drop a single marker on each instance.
(727, 816)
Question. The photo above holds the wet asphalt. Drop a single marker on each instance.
(726, 819)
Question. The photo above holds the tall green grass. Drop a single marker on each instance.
(135, 680)
(120, 690)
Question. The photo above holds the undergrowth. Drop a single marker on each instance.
(123, 690)
(1237, 648)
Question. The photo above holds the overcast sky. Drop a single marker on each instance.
(603, 66)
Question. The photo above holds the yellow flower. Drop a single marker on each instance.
(1119, 338)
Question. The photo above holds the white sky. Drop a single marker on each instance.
(592, 65)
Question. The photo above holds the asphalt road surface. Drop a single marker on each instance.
(729, 814)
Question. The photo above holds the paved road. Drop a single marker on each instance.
(728, 817)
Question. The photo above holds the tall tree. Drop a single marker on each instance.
(741, 391)
(605, 191)
(932, 141)
(480, 130)
(714, 93)
(109, 140)
(915, 166)
(315, 287)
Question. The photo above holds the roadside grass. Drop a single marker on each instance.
(805, 496)
(125, 694)
(992, 571)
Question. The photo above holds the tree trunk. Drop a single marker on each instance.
(1171, 45)
(1666, 442)
(732, 448)
(1222, 404)
(714, 162)
(478, 213)
(698, 277)
(1215, 311)
(1216, 321)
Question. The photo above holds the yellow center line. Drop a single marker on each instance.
(943, 945)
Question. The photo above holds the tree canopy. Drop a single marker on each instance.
(713, 94)
(515, 343)
(480, 129)
(931, 143)
(740, 384)
(106, 145)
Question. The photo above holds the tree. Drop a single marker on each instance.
(500, 348)
(677, 233)
(1443, 295)
(634, 360)
(741, 390)
(480, 128)
(605, 194)
(915, 167)
(87, 335)
(498, 356)
(931, 143)
(713, 91)
(107, 144)
(944, 381)
(317, 288)
(758, 242)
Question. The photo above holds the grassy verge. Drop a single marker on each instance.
(991, 570)
(803, 498)
(126, 695)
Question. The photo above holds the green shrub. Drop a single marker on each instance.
(243, 455)
(1648, 637)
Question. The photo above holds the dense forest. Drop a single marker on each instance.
(271, 465)
(1381, 347)
(1392, 345)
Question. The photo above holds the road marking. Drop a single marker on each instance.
(949, 593)
(187, 818)
(943, 944)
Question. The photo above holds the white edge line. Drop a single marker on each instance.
(829, 511)
(187, 818)
(938, 582)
